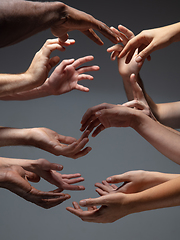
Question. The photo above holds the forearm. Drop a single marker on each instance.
(165, 141)
(38, 92)
(162, 196)
(22, 19)
(14, 136)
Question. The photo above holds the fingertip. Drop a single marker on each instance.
(109, 179)
(82, 203)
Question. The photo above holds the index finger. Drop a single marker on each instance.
(104, 30)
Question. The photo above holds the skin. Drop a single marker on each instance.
(48, 171)
(47, 140)
(117, 203)
(15, 175)
(151, 40)
(22, 19)
(166, 113)
(34, 83)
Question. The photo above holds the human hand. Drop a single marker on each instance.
(147, 42)
(139, 101)
(67, 74)
(106, 115)
(113, 207)
(15, 179)
(48, 171)
(57, 144)
(41, 64)
(125, 70)
(74, 19)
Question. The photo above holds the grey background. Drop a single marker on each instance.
(114, 150)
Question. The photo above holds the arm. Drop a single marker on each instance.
(64, 78)
(45, 139)
(133, 181)
(117, 205)
(48, 171)
(16, 180)
(22, 19)
(105, 115)
(151, 40)
(166, 113)
(38, 71)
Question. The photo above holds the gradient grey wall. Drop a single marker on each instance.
(115, 150)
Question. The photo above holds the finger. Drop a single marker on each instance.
(90, 121)
(93, 125)
(123, 37)
(75, 180)
(130, 46)
(130, 55)
(93, 201)
(82, 153)
(101, 192)
(99, 129)
(82, 88)
(66, 139)
(93, 36)
(91, 111)
(135, 104)
(106, 31)
(69, 176)
(82, 60)
(64, 64)
(54, 61)
(64, 38)
(116, 47)
(88, 69)
(68, 42)
(145, 53)
(74, 187)
(118, 178)
(33, 177)
(84, 135)
(126, 31)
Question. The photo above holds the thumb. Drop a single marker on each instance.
(117, 178)
(93, 202)
(145, 53)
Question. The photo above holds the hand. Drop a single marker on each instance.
(48, 171)
(42, 63)
(57, 144)
(125, 70)
(67, 75)
(139, 101)
(106, 115)
(15, 179)
(77, 20)
(147, 42)
(114, 206)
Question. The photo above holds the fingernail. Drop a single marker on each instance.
(82, 203)
(108, 179)
(98, 114)
(138, 59)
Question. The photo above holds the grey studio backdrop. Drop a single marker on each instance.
(114, 150)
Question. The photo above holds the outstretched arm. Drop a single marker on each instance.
(16, 180)
(38, 71)
(48, 171)
(166, 113)
(46, 139)
(22, 19)
(64, 78)
(151, 40)
(117, 205)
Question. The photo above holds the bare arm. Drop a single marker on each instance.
(166, 113)
(117, 205)
(22, 19)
